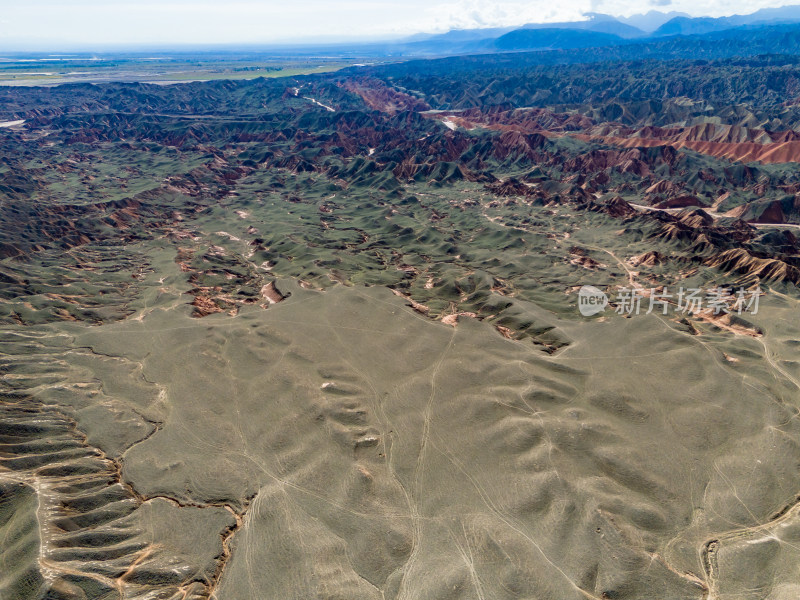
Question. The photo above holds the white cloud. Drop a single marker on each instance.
(466, 14)
(165, 22)
(714, 8)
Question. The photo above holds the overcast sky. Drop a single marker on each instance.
(49, 24)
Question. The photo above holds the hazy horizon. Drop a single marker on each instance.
(45, 25)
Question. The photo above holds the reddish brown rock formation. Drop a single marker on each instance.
(740, 261)
(721, 141)
(648, 259)
(680, 202)
(379, 96)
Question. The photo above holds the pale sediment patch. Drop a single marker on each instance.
(453, 319)
(271, 293)
(420, 308)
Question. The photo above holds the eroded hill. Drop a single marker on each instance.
(319, 337)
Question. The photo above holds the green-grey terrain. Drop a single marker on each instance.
(319, 336)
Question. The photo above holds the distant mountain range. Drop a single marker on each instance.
(650, 21)
(684, 25)
(598, 30)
